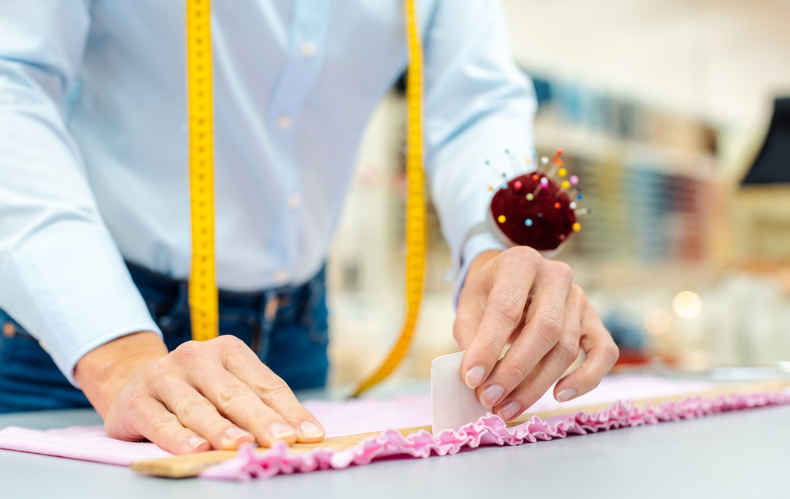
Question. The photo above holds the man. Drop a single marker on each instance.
(94, 210)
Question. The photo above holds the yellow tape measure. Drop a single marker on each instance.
(415, 204)
(202, 284)
(203, 304)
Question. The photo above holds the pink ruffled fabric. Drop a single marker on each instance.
(91, 443)
(488, 430)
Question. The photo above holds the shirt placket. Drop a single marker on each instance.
(306, 52)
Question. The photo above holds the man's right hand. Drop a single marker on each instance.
(215, 394)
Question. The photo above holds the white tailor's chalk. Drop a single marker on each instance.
(453, 404)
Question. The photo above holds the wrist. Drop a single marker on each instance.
(482, 259)
(104, 371)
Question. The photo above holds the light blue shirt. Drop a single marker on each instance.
(93, 143)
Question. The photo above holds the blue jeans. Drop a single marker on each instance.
(287, 327)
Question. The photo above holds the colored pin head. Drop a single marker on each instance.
(533, 210)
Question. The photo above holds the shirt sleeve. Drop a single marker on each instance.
(61, 275)
(478, 104)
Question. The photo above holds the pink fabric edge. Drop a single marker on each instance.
(488, 430)
(84, 443)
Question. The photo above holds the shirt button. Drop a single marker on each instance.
(294, 201)
(281, 276)
(284, 122)
(308, 50)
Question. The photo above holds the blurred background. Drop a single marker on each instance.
(662, 108)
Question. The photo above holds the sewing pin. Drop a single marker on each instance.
(543, 183)
(488, 164)
(543, 162)
(553, 170)
(513, 161)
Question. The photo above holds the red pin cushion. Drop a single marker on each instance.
(542, 223)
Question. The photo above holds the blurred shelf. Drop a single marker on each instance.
(596, 147)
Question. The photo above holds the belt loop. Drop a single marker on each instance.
(268, 315)
(181, 306)
(271, 307)
(315, 289)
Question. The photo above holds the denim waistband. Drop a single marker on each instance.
(271, 300)
(263, 310)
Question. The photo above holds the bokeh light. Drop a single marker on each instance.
(657, 321)
(687, 304)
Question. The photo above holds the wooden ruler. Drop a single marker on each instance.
(191, 465)
(202, 283)
(415, 204)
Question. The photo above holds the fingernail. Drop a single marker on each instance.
(234, 434)
(280, 431)
(566, 394)
(474, 376)
(310, 430)
(492, 394)
(509, 410)
(195, 442)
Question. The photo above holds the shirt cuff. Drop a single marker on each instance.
(71, 362)
(73, 294)
(473, 247)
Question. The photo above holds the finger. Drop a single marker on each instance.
(273, 391)
(154, 422)
(544, 327)
(601, 352)
(512, 278)
(233, 399)
(471, 305)
(198, 414)
(551, 367)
